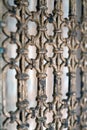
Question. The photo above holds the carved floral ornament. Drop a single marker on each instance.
(22, 63)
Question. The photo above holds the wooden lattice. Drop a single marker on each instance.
(76, 40)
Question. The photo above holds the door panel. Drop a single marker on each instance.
(43, 65)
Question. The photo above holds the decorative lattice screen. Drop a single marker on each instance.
(43, 65)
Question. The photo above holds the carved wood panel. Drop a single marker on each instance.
(45, 33)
